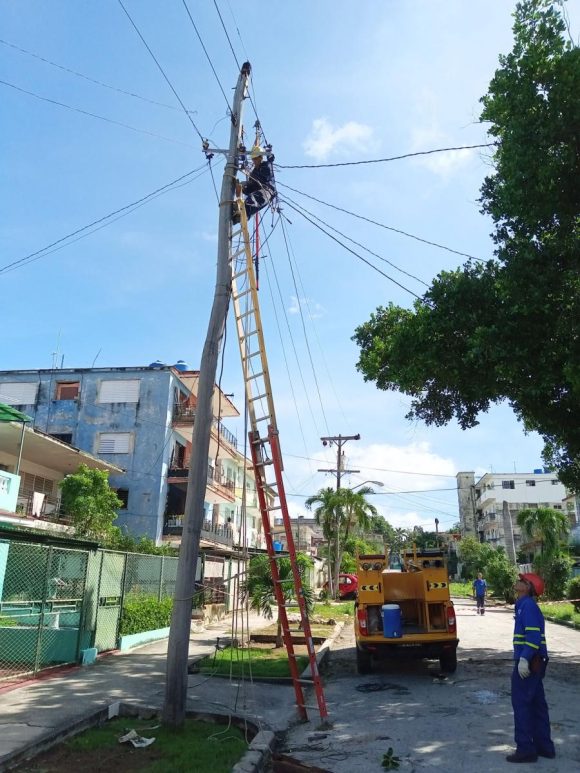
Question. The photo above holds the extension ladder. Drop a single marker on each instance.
(265, 450)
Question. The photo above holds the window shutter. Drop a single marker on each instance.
(114, 443)
(119, 391)
(19, 392)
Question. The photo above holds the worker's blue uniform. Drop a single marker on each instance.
(480, 589)
(531, 718)
(259, 189)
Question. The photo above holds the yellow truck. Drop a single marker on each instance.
(405, 611)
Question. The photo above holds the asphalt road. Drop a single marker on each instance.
(457, 724)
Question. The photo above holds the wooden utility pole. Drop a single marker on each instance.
(178, 649)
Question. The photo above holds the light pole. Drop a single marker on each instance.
(300, 519)
(374, 482)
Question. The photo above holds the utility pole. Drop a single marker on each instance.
(178, 648)
(339, 441)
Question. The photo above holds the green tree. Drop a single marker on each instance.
(474, 555)
(258, 586)
(327, 516)
(556, 571)
(544, 525)
(501, 575)
(90, 502)
(503, 330)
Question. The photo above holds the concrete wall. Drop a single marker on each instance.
(467, 518)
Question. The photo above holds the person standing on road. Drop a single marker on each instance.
(531, 719)
(480, 592)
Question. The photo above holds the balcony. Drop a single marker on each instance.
(184, 414)
(219, 488)
(221, 533)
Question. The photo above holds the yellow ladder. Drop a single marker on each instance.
(265, 450)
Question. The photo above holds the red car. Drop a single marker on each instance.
(347, 586)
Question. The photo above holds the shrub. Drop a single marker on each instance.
(501, 575)
(145, 613)
(574, 591)
(7, 622)
(555, 572)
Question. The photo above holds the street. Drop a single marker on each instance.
(462, 722)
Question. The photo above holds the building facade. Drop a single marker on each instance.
(140, 419)
(488, 509)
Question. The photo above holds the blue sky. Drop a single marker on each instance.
(331, 83)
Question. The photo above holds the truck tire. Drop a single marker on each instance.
(448, 662)
(364, 662)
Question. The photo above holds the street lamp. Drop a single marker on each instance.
(374, 482)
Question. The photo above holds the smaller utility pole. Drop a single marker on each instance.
(339, 441)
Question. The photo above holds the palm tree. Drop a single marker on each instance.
(546, 526)
(258, 586)
(327, 516)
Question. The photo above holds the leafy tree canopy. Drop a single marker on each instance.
(91, 503)
(507, 329)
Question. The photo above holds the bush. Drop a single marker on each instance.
(556, 572)
(501, 575)
(7, 622)
(145, 613)
(574, 592)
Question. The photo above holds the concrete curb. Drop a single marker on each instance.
(567, 623)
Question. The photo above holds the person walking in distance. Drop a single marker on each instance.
(531, 718)
(480, 592)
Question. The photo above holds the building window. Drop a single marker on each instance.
(19, 392)
(530, 483)
(123, 494)
(119, 391)
(554, 481)
(114, 443)
(508, 484)
(67, 390)
(64, 437)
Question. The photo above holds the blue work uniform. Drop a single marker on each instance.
(259, 189)
(480, 588)
(531, 718)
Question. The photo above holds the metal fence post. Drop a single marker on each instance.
(38, 654)
(160, 594)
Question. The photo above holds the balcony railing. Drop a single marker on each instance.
(222, 533)
(186, 415)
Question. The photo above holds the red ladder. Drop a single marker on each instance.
(265, 451)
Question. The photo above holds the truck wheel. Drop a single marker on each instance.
(448, 662)
(364, 663)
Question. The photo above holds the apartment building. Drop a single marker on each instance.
(488, 509)
(140, 419)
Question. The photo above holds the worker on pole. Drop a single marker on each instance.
(259, 188)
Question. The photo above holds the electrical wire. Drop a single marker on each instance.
(94, 115)
(206, 53)
(353, 252)
(89, 79)
(307, 342)
(380, 469)
(139, 202)
(383, 225)
(390, 158)
(161, 70)
(226, 32)
(358, 244)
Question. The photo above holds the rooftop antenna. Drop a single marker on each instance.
(96, 357)
(57, 352)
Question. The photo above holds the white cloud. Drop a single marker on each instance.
(313, 309)
(442, 164)
(325, 139)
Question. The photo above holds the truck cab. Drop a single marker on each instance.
(405, 612)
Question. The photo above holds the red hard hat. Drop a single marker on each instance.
(535, 581)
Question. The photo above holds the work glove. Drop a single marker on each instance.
(523, 668)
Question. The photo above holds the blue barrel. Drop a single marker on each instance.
(392, 626)
(278, 547)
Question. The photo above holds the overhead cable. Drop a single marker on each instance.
(353, 252)
(143, 200)
(381, 469)
(226, 32)
(161, 70)
(91, 80)
(362, 246)
(381, 225)
(206, 53)
(383, 160)
(94, 115)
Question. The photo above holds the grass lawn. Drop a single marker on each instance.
(462, 590)
(199, 746)
(263, 661)
(340, 611)
(320, 630)
(561, 612)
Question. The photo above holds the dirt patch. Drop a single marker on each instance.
(63, 759)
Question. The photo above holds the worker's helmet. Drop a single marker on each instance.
(534, 581)
(256, 151)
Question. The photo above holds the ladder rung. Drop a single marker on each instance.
(253, 354)
(263, 418)
(235, 255)
(264, 463)
(256, 375)
(242, 294)
(274, 507)
(245, 314)
(258, 397)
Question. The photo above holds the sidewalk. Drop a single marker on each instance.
(35, 708)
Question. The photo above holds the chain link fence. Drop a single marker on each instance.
(56, 602)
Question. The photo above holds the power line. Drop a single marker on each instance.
(353, 252)
(89, 79)
(161, 70)
(206, 53)
(93, 115)
(383, 160)
(380, 469)
(225, 30)
(358, 244)
(388, 493)
(144, 199)
(382, 225)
